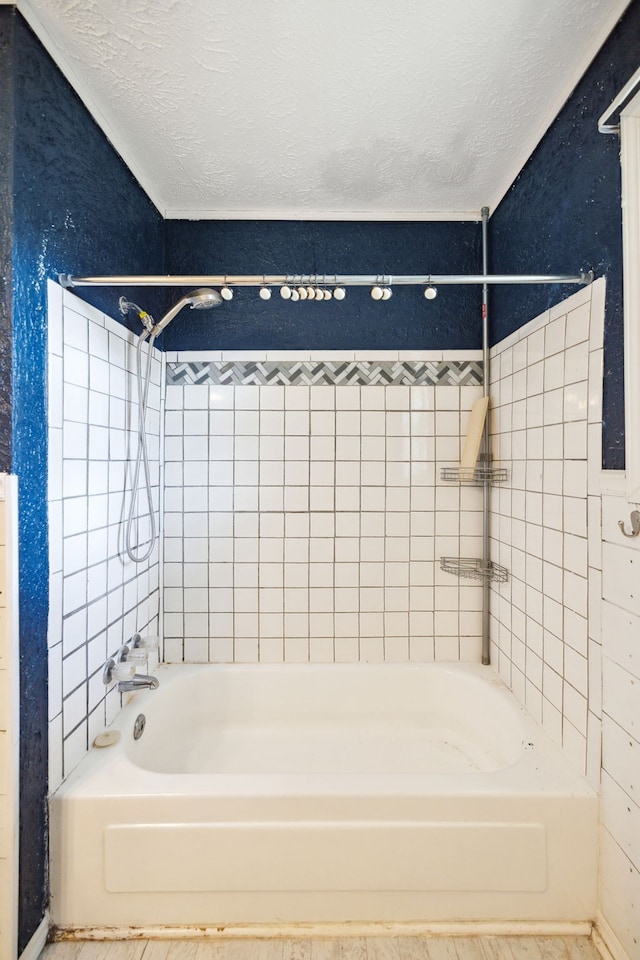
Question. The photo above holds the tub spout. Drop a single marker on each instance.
(141, 681)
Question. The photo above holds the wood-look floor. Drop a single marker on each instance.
(356, 948)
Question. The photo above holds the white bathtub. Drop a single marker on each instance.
(282, 794)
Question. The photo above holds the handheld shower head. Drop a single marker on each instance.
(201, 299)
(204, 298)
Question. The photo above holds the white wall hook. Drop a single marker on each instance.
(635, 524)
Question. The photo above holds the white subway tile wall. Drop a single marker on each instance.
(97, 597)
(546, 388)
(306, 523)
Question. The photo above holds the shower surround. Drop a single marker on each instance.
(304, 516)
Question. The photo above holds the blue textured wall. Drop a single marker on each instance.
(6, 229)
(254, 247)
(563, 214)
(76, 208)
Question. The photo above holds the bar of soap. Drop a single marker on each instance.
(107, 738)
(472, 442)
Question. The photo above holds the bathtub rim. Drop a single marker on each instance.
(541, 768)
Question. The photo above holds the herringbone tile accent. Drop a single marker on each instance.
(362, 373)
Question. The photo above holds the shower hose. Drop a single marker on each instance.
(138, 553)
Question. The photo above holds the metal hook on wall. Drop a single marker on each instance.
(635, 524)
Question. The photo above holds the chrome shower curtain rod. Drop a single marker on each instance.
(328, 279)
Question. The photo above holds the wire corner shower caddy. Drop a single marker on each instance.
(318, 286)
(464, 476)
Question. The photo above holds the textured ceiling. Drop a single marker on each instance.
(364, 109)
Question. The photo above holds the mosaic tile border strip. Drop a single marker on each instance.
(339, 373)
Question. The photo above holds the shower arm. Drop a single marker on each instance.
(344, 280)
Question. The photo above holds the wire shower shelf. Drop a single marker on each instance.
(476, 476)
(473, 569)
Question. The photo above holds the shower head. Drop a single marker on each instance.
(201, 299)
(204, 298)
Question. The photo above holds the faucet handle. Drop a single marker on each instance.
(125, 670)
(138, 656)
(147, 643)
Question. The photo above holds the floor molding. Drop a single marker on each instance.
(299, 931)
(38, 941)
